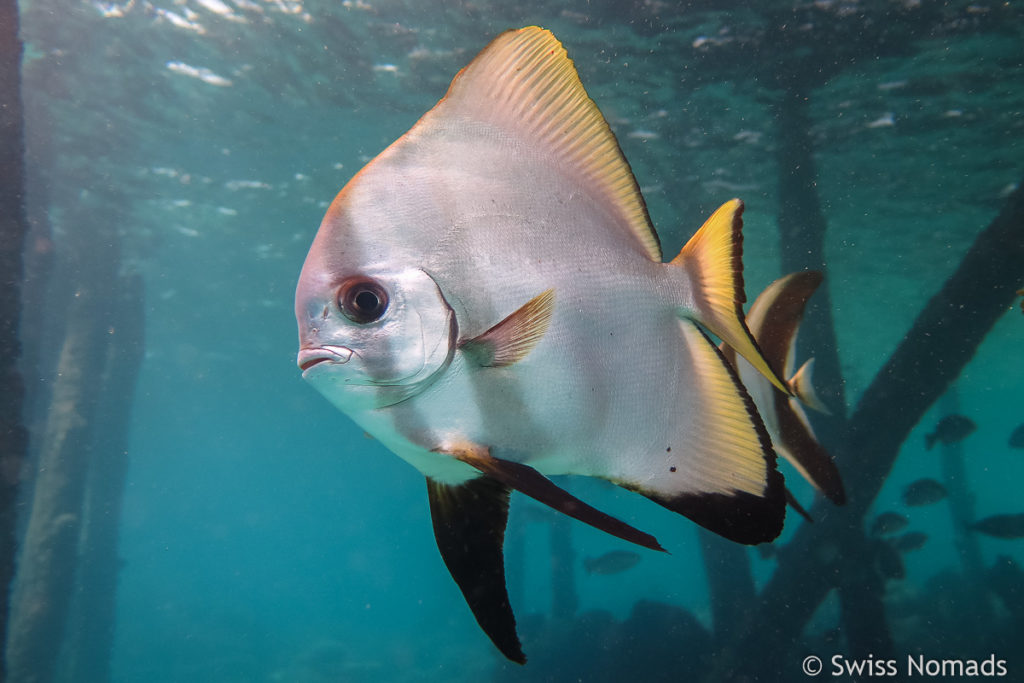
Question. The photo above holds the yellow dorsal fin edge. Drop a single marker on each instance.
(713, 259)
(525, 83)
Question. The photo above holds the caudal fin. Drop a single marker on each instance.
(713, 259)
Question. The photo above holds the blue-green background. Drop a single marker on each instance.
(264, 537)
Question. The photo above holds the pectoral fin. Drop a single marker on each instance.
(469, 525)
(803, 387)
(514, 337)
(532, 483)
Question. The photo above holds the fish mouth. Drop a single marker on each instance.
(334, 355)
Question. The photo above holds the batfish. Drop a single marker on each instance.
(488, 299)
(774, 320)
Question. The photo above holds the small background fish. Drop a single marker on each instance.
(950, 429)
(613, 562)
(888, 523)
(924, 492)
(910, 541)
(1017, 437)
(1008, 526)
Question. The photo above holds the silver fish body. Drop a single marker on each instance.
(579, 403)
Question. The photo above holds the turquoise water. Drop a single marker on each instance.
(264, 537)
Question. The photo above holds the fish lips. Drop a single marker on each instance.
(310, 359)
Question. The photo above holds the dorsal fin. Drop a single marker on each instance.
(524, 83)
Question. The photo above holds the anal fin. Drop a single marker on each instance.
(469, 526)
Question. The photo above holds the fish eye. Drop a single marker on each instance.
(362, 300)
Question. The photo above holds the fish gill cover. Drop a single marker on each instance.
(263, 537)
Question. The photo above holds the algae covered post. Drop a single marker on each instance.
(13, 229)
(48, 559)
